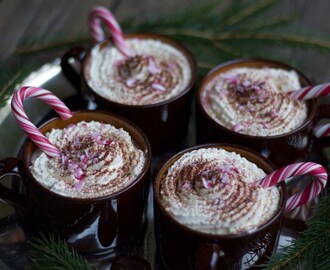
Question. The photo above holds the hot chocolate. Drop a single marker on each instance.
(97, 160)
(209, 190)
(157, 73)
(252, 101)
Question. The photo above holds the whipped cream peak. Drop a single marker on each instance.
(97, 159)
(254, 101)
(145, 71)
(210, 190)
(158, 72)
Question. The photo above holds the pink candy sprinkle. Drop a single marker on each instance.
(273, 114)
(186, 185)
(79, 174)
(158, 86)
(64, 159)
(207, 184)
(83, 159)
(119, 62)
(152, 67)
(86, 153)
(72, 166)
(79, 185)
(96, 136)
(225, 168)
(106, 142)
(246, 83)
(171, 66)
(130, 82)
(232, 79)
(225, 178)
(237, 127)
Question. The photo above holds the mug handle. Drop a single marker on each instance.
(72, 75)
(210, 256)
(12, 166)
(322, 131)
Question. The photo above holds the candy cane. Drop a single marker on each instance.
(320, 178)
(30, 129)
(94, 21)
(310, 92)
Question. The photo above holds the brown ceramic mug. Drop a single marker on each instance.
(165, 122)
(281, 149)
(181, 247)
(91, 225)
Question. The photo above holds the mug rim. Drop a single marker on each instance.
(233, 147)
(144, 35)
(146, 168)
(312, 104)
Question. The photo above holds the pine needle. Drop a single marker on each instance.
(50, 252)
(249, 11)
(311, 250)
(9, 81)
(269, 22)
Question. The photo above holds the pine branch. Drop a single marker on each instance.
(311, 250)
(287, 40)
(9, 81)
(49, 252)
(37, 48)
(195, 17)
(268, 22)
(249, 11)
(282, 39)
(228, 49)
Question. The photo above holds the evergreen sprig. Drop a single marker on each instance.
(311, 250)
(242, 29)
(50, 252)
(9, 79)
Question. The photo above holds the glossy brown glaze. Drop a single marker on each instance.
(165, 123)
(179, 247)
(88, 225)
(281, 149)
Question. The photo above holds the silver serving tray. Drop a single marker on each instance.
(12, 236)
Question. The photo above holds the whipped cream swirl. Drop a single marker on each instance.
(253, 101)
(209, 190)
(97, 160)
(158, 72)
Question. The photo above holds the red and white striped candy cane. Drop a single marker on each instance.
(94, 22)
(320, 178)
(310, 92)
(30, 129)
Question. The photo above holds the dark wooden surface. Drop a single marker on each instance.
(23, 21)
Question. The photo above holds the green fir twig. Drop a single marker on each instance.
(250, 10)
(50, 252)
(311, 250)
(9, 81)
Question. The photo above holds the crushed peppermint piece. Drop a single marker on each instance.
(131, 82)
(78, 174)
(158, 86)
(238, 127)
(152, 67)
(79, 185)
